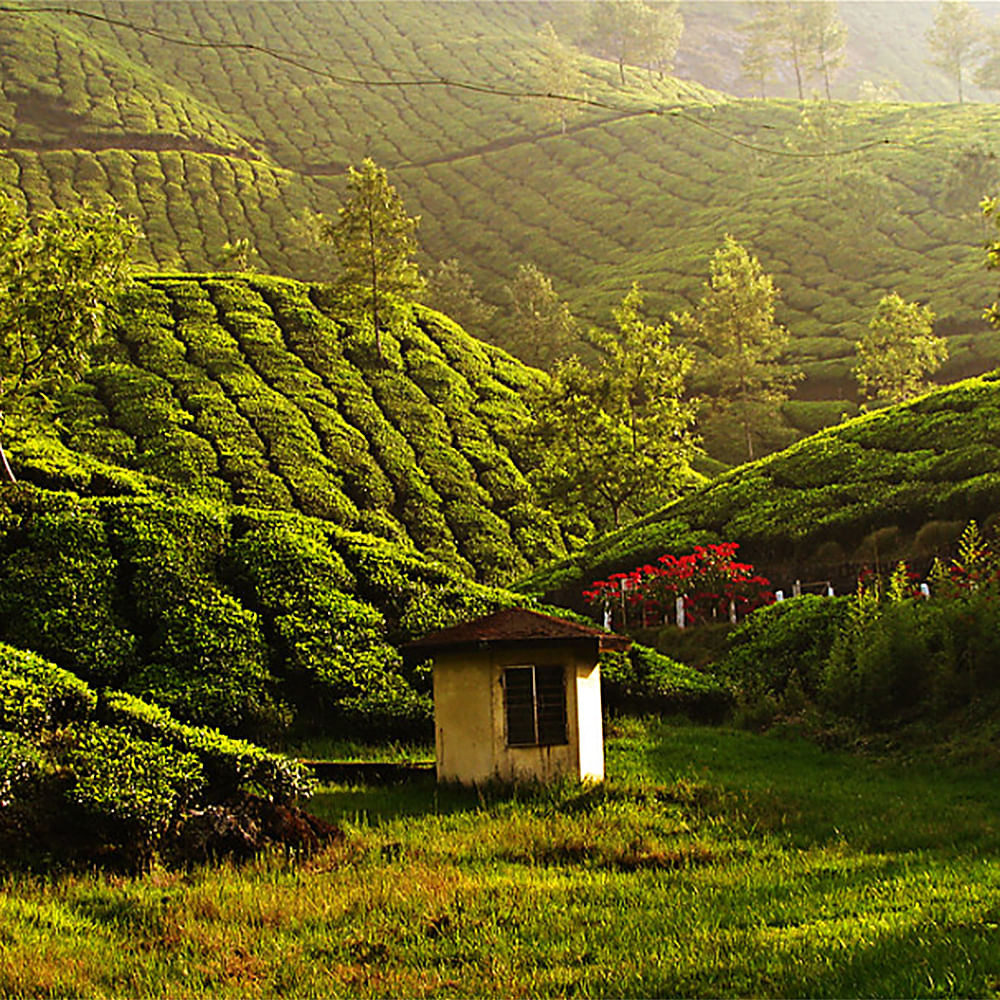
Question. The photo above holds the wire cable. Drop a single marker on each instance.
(296, 60)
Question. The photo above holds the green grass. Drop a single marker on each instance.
(713, 863)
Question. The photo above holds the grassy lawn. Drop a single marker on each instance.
(712, 863)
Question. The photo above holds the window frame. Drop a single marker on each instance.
(545, 710)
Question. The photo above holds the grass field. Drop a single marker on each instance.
(712, 863)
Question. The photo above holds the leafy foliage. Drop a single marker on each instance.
(735, 322)
(243, 389)
(111, 777)
(828, 504)
(233, 617)
(59, 274)
(205, 154)
(613, 439)
(898, 351)
(373, 238)
(643, 680)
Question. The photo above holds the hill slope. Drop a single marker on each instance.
(897, 483)
(209, 145)
(244, 390)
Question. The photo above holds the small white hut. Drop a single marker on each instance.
(517, 696)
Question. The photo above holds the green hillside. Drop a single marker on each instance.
(244, 390)
(901, 482)
(244, 512)
(208, 145)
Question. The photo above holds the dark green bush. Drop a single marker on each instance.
(644, 680)
(786, 640)
(135, 787)
(230, 766)
(20, 764)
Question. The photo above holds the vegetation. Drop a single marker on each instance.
(900, 482)
(809, 37)
(541, 329)
(734, 321)
(374, 240)
(890, 653)
(955, 39)
(58, 278)
(611, 440)
(233, 617)
(246, 390)
(713, 861)
(205, 154)
(898, 351)
(87, 777)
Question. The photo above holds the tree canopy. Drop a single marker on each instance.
(898, 350)
(542, 329)
(374, 240)
(614, 439)
(59, 276)
(954, 38)
(735, 322)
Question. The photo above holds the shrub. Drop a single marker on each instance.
(20, 764)
(230, 766)
(790, 639)
(136, 787)
(644, 680)
(36, 694)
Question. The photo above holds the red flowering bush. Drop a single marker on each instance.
(709, 580)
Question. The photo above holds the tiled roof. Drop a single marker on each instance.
(518, 625)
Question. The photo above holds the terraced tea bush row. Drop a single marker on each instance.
(244, 390)
(89, 778)
(209, 148)
(234, 617)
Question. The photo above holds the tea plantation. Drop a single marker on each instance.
(203, 145)
(900, 482)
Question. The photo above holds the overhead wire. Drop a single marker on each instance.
(297, 61)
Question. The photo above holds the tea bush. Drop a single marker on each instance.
(786, 640)
(88, 778)
(133, 787)
(37, 695)
(643, 680)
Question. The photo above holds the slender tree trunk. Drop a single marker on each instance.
(749, 436)
(374, 276)
(621, 69)
(8, 471)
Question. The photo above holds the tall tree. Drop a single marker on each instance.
(450, 289)
(955, 38)
(59, 277)
(987, 74)
(757, 58)
(540, 329)
(787, 23)
(558, 73)
(618, 29)
(735, 322)
(614, 439)
(898, 351)
(663, 28)
(374, 240)
(826, 39)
